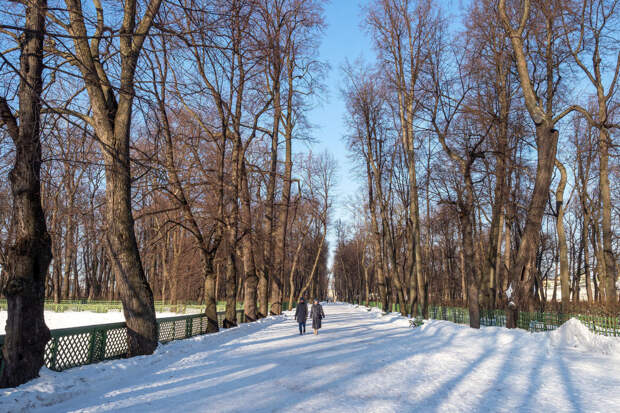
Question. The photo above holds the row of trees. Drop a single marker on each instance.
(487, 151)
(152, 157)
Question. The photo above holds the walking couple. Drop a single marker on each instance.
(316, 314)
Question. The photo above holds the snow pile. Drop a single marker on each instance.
(375, 310)
(573, 334)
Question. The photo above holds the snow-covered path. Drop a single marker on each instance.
(360, 362)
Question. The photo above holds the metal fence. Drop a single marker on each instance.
(78, 346)
(105, 306)
(534, 322)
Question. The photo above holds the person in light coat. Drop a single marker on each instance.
(316, 314)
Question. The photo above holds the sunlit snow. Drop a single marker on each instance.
(362, 361)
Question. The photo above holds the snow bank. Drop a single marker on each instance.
(573, 334)
(82, 318)
(70, 388)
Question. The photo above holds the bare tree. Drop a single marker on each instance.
(586, 25)
(29, 256)
(111, 121)
(403, 31)
(540, 106)
(563, 250)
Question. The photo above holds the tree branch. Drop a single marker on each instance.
(7, 118)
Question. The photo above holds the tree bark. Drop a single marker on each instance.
(249, 266)
(563, 250)
(29, 256)
(291, 277)
(546, 137)
(611, 296)
(68, 257)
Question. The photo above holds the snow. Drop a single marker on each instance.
(80, 318)
(573, 334)
(362, 361)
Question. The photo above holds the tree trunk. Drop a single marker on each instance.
(376, 236)
(586, 255)
(463, 270)
(111, 120)
(554, 297)
(210, 294)
(29, 257)
(547, 138)
(498, 262)
(249, 266)
(291, 278)
(367, 287)
(230, 319)
(232, 232)
(269, 270)
(466, 218)
(57, 264)
(124, 256)
(282, 226)
(563, 251)
(607, 233)
(311, 277)
(76, 292)
(490, 273)
(68, 261)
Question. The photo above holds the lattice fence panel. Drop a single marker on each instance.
(179, 330)
(116, 343)
(196, 326)
(166, 331)
(85, 345)
(72, 351)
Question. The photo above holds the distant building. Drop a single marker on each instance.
(549, 283)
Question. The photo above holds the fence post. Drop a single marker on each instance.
(102, 344)
(188, 326)
(53, 352)
(91, 345)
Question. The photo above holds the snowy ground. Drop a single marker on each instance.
(82, 318)
(359, 362)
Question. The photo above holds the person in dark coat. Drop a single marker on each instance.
(316, 314)
(301, 314)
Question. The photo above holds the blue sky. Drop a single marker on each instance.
(344, 39)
